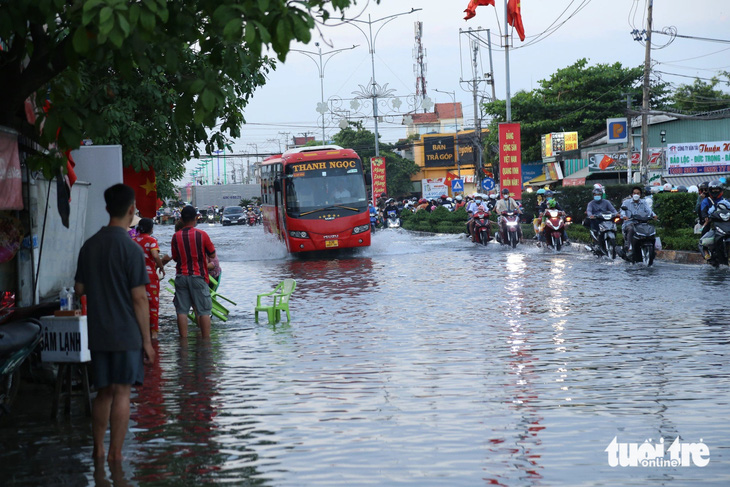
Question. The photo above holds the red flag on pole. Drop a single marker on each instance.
(514, 17)
(145, 190)
(471, 9)
(450, 177)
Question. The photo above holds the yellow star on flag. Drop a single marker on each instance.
(149, 186)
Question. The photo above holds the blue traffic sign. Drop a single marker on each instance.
(457, 185)
(487, 184)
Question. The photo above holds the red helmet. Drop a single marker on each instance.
(422, 201)
(443, 196)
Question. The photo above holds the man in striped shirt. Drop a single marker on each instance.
(190, 250)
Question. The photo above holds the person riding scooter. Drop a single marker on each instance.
(634, 207)
(505, 205)
(597, 207)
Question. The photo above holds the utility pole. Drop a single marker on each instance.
(456, 128)
(645, 101)
(506, 64)
(629, 139)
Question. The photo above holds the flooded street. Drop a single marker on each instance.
(422, 360)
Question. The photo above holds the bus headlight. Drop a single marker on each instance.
(298, 234)
(360, 229)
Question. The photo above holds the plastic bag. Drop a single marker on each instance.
(658, 243)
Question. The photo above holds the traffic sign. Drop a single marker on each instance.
(457, 185)
(487, 184)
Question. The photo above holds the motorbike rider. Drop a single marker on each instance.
(459, 202)
(552, 203)
(597, 207)
(472, 208)
(633, 207)
(507, 204)
(709, 204)
(536, 221)
(703, 190)
(391, 206)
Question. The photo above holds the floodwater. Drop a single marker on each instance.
(422, 360)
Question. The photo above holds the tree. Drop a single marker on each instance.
(398, 170)
(578, 98)
(139, 73)
(701, 96)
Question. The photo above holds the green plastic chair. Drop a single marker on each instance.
(218, 310)
(281, 295)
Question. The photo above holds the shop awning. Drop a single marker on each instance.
(577, 178)
(695, 179)
(539, 181)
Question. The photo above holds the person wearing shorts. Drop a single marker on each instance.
(111, 273)
(191, 249)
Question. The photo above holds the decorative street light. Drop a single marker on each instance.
(371, 44)
(456, 128)
(322, 106)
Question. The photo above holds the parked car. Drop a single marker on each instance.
(233, 215)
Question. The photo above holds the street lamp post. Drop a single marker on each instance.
(456, 128)
(371, 45)
(321, 65)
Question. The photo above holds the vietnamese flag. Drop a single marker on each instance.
(144, 185)
(471, 9)
(450, 177)
(605, 162)
(514, 17)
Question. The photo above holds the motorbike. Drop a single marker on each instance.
(555, 224)
(392, 220)
(643, 244)
(481, 232)
(251, 220)
(373, 221)
(509, 226)
(18, 339)
(716, 242)
(605, 238)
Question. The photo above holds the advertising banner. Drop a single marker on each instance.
(377, 173)
(616, 161)
(434, 188)
(439, 151)
(557, 142)
(510, 159)
(699, 157)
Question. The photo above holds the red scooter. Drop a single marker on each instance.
(509, 227)
(481, 229)
(555, 223)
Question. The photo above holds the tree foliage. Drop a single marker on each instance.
(701, 96)
(159, 76)
(398, 170)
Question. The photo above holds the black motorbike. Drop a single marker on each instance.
(605, 238)
(717, 241)
(643, 244)
(18, 339)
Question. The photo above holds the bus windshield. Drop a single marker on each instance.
(317, 186)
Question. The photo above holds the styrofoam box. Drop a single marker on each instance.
(64, 339)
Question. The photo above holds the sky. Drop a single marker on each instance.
(558, 33)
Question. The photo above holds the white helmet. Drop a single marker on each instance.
(458, 197)
(693, 189)
(668, 187)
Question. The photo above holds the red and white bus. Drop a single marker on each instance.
(314, 198)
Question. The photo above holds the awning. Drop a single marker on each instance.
(577, 178)
(695, 179)
(539, 181)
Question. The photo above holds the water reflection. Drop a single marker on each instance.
(424, 361)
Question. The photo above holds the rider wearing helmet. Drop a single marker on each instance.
(597, 207)
(549, 195)
(709, 204)
(459, 202)
(390, 205)
(630, 208)
(472, 208)
(507, 204)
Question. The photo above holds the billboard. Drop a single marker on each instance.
(434, 188)
(612, 161)
(510, 158)
(618, 130)
(699, 157)
(439, 151)
(557, 142)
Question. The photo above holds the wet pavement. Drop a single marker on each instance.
(422, 360)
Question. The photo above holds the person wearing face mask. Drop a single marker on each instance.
(504, 205)
(596, 208)
(472, 208)
(631, 208)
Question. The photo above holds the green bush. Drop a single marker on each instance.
(574, 199)
(440, 220)
(406, 215)
(675, 210)
(678, 239)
